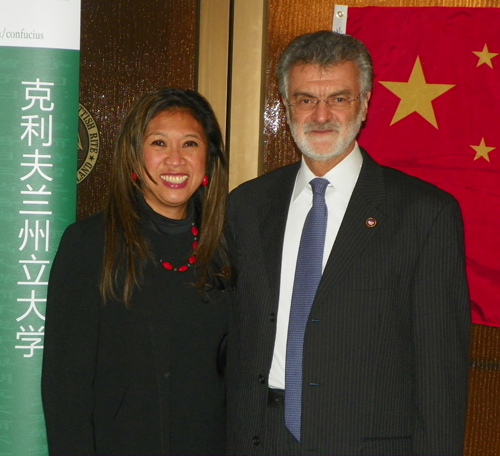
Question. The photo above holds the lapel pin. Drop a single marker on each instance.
(371, 222)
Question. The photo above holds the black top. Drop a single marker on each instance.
(140, 381)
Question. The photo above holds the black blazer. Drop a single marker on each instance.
(136, 381)
(388, 337)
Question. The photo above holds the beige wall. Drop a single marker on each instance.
(231, 74)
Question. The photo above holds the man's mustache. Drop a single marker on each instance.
(316, 126)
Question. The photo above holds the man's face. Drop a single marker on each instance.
(324, 134)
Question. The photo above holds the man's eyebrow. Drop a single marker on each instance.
(333, 94)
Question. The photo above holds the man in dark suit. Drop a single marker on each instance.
(352, 297)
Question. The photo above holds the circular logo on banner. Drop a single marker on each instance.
(88, 143)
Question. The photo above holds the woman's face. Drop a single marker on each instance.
(175, 155)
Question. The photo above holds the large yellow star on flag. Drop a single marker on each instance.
(482, 151)
(416, 95)
(485, 56)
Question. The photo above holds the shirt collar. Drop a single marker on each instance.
(342, 177)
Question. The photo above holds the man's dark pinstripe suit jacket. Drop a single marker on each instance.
(386, 347)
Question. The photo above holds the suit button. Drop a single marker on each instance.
(255, 440)
(167, 375)
(272, 317)
(262, 379)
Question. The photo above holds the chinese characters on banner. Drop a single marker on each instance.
(34, 232)
(433, 114)
(39, 77)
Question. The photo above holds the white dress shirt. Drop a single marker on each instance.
(342, 180)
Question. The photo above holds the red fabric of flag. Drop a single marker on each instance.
(434, 114)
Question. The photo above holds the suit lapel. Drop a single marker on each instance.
(272, 221)
(366, 203)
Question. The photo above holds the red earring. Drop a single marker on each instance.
(134, 177)
(204, 182)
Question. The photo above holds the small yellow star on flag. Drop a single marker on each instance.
(416, 95)
(485, 56)
(482, 151)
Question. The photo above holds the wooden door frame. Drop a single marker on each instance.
(231, 75)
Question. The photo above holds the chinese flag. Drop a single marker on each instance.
(435, 114)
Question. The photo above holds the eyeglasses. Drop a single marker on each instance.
(334, 103)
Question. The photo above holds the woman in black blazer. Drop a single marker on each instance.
(136, 309)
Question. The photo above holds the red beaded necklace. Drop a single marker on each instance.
(192, 259)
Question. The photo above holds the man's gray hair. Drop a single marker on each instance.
(325, 49)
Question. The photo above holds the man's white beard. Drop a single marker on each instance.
(345, 136)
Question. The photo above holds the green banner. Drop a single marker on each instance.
(38, 161)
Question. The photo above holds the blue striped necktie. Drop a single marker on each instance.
(308, 273)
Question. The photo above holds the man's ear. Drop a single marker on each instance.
(365, 99)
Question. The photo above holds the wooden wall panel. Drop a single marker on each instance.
(483, 418)
(128, 48)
